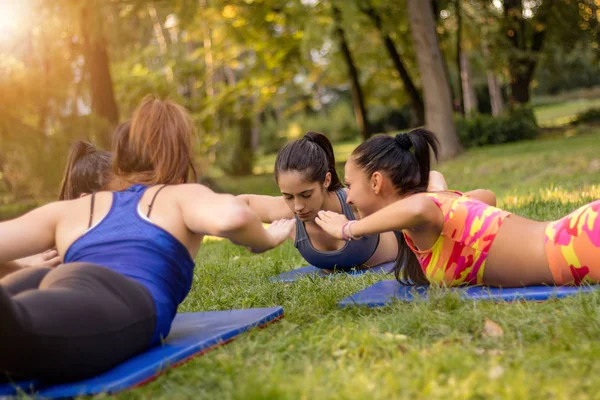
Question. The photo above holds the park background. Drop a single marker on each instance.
(515, 85)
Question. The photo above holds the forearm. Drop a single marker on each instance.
(9, 267)
(250, 233)
(404, 214)
(29, 234)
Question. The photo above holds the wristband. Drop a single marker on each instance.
(346, 238)
(350, 231)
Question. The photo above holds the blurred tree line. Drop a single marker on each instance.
(256, 73)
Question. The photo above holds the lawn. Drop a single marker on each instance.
(437, 349)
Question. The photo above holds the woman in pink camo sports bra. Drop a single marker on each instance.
(450, 238)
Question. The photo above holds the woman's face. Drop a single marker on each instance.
(305, 199)
(360, 193)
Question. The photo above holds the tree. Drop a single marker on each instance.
(436, 92)
(360, 109)
(97, 65)
(417, 107)
(526, 37)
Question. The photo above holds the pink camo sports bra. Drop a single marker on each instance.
(458, 255)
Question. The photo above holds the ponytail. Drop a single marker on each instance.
(312, 156)
(87, 171)
(407, 268)
(405, 158)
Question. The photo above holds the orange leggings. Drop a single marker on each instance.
(573, 246)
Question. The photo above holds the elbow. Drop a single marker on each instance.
(492, 198)
(489, 196)
(237, 216)
(244, 198)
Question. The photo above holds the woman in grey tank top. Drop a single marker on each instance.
(306, 175)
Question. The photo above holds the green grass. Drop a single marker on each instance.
(436, 349)
(558, 114)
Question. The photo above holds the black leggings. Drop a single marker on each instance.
(71, 322)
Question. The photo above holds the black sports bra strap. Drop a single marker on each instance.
(92, 210)
(154, 198)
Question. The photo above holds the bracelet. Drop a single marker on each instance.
(346, 238)
(352, 237)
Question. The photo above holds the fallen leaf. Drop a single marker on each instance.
(492, 329)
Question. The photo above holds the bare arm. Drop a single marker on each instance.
(410, 212)
(268, 208)
(31, 233)
(208, 213)
(484, 195)
(8, 268)
(48, 259)
(437, 182)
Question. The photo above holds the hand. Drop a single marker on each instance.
(278, 231)
(48, 258)
(332, 223)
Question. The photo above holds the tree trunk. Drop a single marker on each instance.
(243, 158)
(208, 55)
(360, 110)
(523, 59)
(466, 80)
(96, 61)
(159, 35)
(436, 92)
(495, 94)
(3, 178)
(416, 102)
(494, 89)
(459, 55)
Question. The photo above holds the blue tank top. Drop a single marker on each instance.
(353, 254)
(127, 243)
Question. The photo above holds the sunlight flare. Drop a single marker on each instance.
(13, 15)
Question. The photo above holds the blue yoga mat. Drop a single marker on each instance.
(384, 292)
(192, 334)
(294, 275)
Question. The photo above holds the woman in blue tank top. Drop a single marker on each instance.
(128, 255)
(306, 175)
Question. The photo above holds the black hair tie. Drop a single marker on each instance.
(403, 141)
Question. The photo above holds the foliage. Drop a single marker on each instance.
(481, 130)
(271, 61)
(10, 211)
(590, 116)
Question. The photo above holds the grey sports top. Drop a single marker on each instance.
(353, 254)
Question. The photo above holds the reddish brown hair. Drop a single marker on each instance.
(158, 146)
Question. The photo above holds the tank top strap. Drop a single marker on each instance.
(92, 209)
(154, 198)
(346, 209)
(301, 234)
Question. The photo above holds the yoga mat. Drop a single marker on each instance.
(384, 292)
(192, 334)
(294, 275)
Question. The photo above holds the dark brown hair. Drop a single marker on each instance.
(312, 156)
(87, 171)
(157, 148)
(406, 160)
